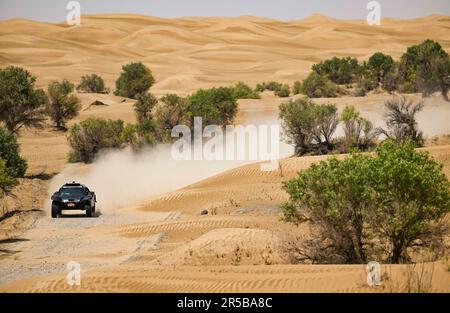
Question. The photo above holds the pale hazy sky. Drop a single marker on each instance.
(55, 10)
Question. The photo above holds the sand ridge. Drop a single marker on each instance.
(190, 53)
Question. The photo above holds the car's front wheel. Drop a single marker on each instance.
(88, 209)
(55, 211)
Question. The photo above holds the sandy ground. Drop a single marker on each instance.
(161, 242)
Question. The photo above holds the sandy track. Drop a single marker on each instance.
(122, 252)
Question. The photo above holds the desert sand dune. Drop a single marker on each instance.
(188, 53)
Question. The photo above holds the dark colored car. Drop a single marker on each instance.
(73, 196)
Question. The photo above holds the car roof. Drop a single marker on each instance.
(77, 185)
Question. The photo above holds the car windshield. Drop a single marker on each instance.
(72, 191)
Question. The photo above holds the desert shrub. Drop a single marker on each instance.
(297, 87)
(395, 198)
(367, 82)
(358, 132)
(217, 106)
(21, 104)
(135, 79)
(144, 107)
(271, 86)
(62, 104)
(338, 70)
(318, 86)
(92, 83)
(172, 112)
(401, 121)
(6, 181)
(91, 136)
(391, 79)
(139, 135)
(285, 91)
(424, 67)
(243, 91)
(308, 126)
(380, 64)
(440, 68)
(260, 87)
(15, 166)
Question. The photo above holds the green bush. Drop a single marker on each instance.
(308, 126)
(425, 68)
(21, 104)
(380, 64)
(139, 135)
(243, 91)
(91, 136)
(391, 79)
(271, 86)
(144, 107)
(318, 86)
(6, 181)
(62, 104)
(297, 87)
(217, 106)
(172, 112)
(92, 83)
(284, 91)
(135, 79)
(365, 204)
(359, 132)
(338, 70)
(10, 154)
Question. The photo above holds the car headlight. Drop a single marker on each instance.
(65, 200)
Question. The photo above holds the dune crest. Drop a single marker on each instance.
(190, 53)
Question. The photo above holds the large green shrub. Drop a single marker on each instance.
(21, 104)
(135, 79)
(338, 70)
(425, 68)
(6, 181)
(285, 91)
(217, 106)
(243, 91)
(173, 111)
(92, 83)
(144, 107)
(318, 86)
(62, 103)
(369, 207)
(10, 154)
(308, 126)
(380, 64)
(92, 135)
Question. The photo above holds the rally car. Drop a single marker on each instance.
(73, 196)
